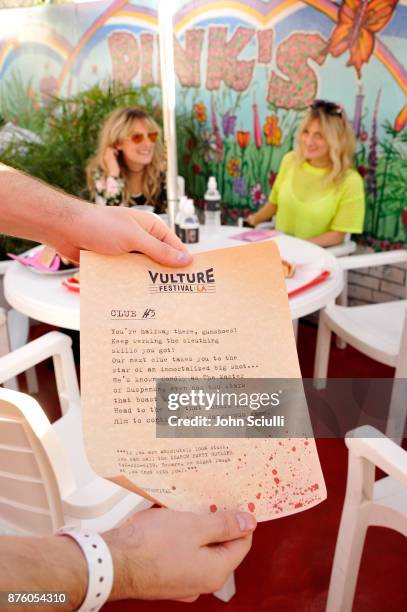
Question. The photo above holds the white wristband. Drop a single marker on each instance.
(100, 567)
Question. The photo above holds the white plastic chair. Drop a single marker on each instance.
(382, 503)
(13, 335)
(15, 328)
(376, 330)
(347, 247)
(46, 480)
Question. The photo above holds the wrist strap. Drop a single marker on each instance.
(100, 567)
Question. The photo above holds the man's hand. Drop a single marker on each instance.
(161, 554)
(30, 209)
(116, 230)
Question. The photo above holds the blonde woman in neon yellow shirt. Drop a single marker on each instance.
(318, 195)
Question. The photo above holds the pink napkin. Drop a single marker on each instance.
(34, 261)
(256, 234)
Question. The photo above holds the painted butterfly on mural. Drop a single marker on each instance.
(358, 22)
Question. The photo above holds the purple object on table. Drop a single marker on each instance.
(33, 262)
(256, 234)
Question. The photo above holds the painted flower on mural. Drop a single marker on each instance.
(358, 22)
(271, 178)
(229, 124)
(196, 169)
(216, 131)
(401, 120)
(239, 186)
(233, 166)
(256, 124)
(257, 195)
(272, 131)
(243, 139)
(200, 112)
(31, 94)
(209, 146)
(362, 170)
(363, 136)
(234, 213)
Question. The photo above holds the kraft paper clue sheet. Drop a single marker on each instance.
(225, 316)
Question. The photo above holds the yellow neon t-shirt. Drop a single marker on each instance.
(306, 207)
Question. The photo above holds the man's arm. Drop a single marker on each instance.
(48, 564)
(31, 209)
(157, 554)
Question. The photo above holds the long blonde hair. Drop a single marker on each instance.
(119, 125)
(337, 131)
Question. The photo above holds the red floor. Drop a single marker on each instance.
(288, 567)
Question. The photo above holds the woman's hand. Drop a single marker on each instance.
(265, 213)
(251, 220)
(110, 159)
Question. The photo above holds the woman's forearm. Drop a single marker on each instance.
(327, 239)
(264, 214)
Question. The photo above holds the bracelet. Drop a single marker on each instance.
(100, 566)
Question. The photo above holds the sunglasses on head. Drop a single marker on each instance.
(330, 108)
(138, 137)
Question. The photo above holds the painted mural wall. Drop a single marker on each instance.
(245, 72)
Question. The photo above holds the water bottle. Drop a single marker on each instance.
(212, 203)
(179, 217)
(189, 226)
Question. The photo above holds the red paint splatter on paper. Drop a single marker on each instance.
(213, 508)
(276, 480)
(251, 506)
(258, 495)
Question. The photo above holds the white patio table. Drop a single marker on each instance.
(44, 298)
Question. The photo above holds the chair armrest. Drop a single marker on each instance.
(33, 352)
(373, 259)
(341, 250)
(373, 445)
(96, 498)
(55, 345)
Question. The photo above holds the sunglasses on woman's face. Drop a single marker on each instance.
(138, 137)
(330, 108)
